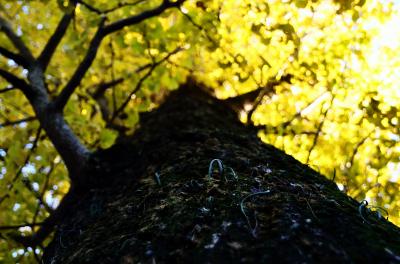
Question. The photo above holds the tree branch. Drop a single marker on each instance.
(319, 129)
(141, 80)
(16, 40)
(103, 12)
(255, 97)
(137, 87)
(48, 51)
(16, 122)
(199, 27)
(102, 87)
(6, 227)
(73, 153)
(16, 82)
(7, 89)
(99, 96)
(101, 32)
(120, 24)
(27, 158)
(14, 56)
(28, 184)
(299, 113)
(47, 226)
(44, 189)
(77, 77)
(290, 132)
(90, 7)
(357, 146)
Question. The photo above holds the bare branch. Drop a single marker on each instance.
(16, 40)
(14, 56)
(16, 82)
(48, 51)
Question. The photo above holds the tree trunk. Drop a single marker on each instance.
(154, 199)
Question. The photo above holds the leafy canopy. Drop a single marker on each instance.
(339, 112)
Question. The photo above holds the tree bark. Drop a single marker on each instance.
(71, 150)
(153, 199)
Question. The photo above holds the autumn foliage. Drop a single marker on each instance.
(327, 72)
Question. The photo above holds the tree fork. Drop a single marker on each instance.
(71, 150)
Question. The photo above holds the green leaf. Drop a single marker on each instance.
(107, 137)
(66, 6)
(301, 3)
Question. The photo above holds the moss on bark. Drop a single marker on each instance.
(157, 203)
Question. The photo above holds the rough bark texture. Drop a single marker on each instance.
(153, 202)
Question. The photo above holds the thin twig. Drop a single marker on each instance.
(26, 161)
(7, 89)
(319, 129)
(119, 24)
(102, 31)
(6, 227)
(140, 82)
(299, 113)
(109, 10)
(199, 27)
(28, 184)
(17, 122)
(356, 148)
(44, 189)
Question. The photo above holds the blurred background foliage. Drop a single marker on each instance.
(339, 112)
